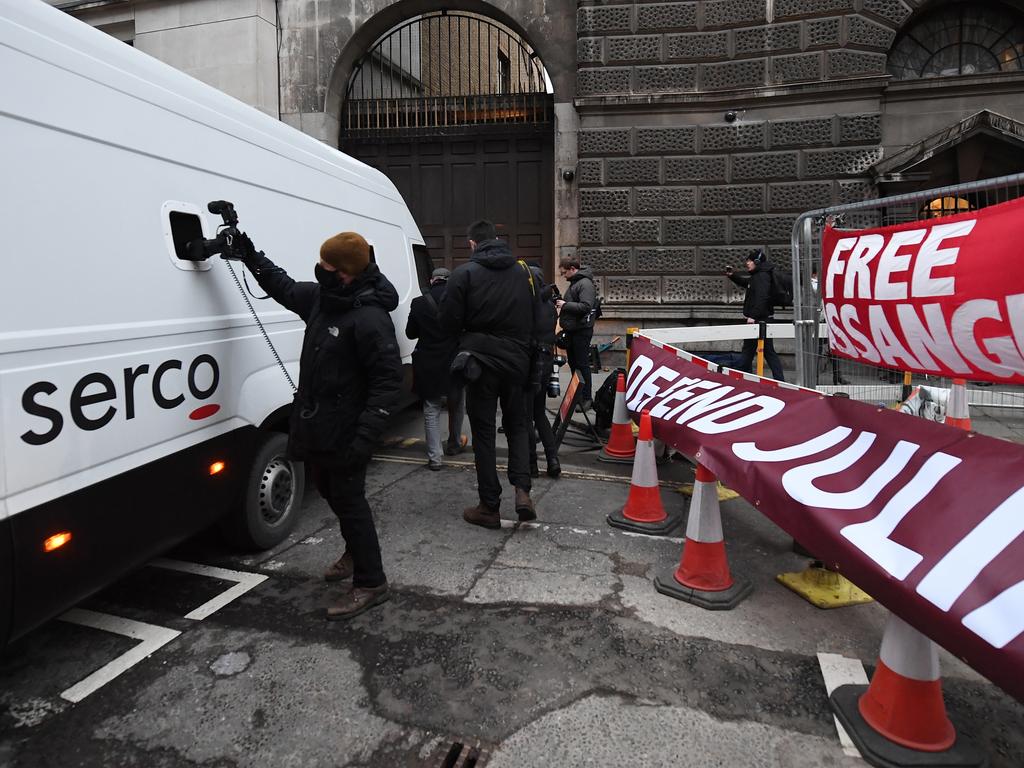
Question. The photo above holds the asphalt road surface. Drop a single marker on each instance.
(535, 645)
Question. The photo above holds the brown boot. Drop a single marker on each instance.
(357, 600)
(524, 506)
(340, 570)
(482, 515)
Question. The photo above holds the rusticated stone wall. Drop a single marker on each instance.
(671, 191)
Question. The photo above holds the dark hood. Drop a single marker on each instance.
(494, 254)
(581, 273)
(765, 267)
(370, 288)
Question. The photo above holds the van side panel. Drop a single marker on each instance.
(117, 525)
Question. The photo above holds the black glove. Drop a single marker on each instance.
(359, 452)
(242, 249)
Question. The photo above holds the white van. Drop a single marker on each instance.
(139, 398)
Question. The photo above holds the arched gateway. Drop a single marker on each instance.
(456, 109)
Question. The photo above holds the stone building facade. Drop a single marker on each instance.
(685, 133)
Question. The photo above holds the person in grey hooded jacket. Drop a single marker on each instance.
(576, 316)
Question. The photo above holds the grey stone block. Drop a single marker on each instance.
(604, 141)
(701, 46)
(666, 141)
(831, 163)
(695, 169)
(716, 138)
(606, 80)
(624, 290)
(733, 197)
(851, 63)
(666, 78)
(762, 229)
(695, 229)
(715, 259)
(696, 290)
(590, 172)
(823, 32)
(801, 133)
(860, 129)
(634, 230)
(732, 74)
(665, 199)
(604, 19)
(733, 13)
(591, 231)
(785, 9)
(856, 190)
(590, 50)
(666, 16)
(895, 11)
(633, 170)
(777, 37)
(665, 260)
(800, 68)
(610, 201)
(607, 260)
(766, 165)
(801, 196)
(860, 31)
(634, 48)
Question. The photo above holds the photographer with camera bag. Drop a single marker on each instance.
(536, 396)
(350, 378)
(757, 308)
(577, 313)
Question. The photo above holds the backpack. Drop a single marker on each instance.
(595, 313)
(604, 400)
(782, 289)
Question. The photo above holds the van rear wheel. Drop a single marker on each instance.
(271, 497)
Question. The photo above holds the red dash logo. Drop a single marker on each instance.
(204, 412)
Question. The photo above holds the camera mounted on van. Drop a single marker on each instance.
(223, 243)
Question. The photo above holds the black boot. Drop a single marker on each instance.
(554, 468)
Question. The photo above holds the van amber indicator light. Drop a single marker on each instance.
(217, 467)
(56, 541)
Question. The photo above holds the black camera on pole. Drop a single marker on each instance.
(554, 386)
(200, 250)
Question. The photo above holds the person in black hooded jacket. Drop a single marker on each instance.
(350, 378)
(536, 397)
(757, 308)
(490, 304)
(576, 316)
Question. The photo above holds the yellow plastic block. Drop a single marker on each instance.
(824, 588)
(724, 494)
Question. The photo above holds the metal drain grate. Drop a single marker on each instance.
(464, 756)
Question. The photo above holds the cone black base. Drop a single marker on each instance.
(609, 459)
(878, 750)
(724, 600)
(617, 520)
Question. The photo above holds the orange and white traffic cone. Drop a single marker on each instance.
(644, 512)
(957, 413)
(900, 719)
(621, 445)
(703, 577)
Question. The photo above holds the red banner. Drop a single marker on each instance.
(924, 517)
(942, 296)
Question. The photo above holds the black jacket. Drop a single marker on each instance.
(350, 369)
(757, 303)
(546, 315)
(432, 358)
(490, 305)
(580, 299)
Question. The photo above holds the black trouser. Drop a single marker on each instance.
(482, 397)
(578, 353)
(770, 356)
(344, 488)
(535, 404)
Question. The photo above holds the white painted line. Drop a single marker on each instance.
(839, 670)
(152, 637)
(244, 582)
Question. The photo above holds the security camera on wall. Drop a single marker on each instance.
(730, 116)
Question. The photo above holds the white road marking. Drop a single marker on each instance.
(244, 582)
(839, 670)
(152, 637)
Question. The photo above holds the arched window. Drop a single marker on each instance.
(960, 39)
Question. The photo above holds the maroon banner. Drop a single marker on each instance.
(944, 296)
(924, 517)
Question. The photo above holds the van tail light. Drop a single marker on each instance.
(56, 541)
(217, 467)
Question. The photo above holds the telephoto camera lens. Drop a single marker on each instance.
(554, 387)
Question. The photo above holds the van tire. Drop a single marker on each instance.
(271, 498)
